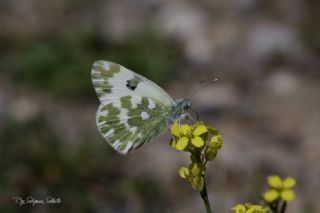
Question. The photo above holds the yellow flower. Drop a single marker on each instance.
(182, 143)
(180, 130)
(180, 136)
(249, 208)
(193, 138)
(279, 189)
(185, 135)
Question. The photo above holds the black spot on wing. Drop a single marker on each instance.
(132, 83)
(131, 87)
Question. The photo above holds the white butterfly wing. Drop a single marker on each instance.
(133, 109)
(110, 81)
(125, 127)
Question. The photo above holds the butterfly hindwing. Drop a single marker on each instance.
(130, 121)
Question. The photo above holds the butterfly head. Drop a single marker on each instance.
(182, 105)
(185, 104)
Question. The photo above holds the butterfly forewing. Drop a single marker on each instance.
(133, 109)
(112, 80)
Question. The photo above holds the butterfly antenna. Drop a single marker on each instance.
(188, 115)
(203, 84)
(197, 87)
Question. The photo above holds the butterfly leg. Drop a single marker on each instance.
(179, 122)
(188, 115)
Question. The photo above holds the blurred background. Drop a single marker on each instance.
(266, 103)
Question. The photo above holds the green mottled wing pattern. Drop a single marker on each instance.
(127, 128)
(133, 109)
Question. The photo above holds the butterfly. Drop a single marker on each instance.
(133, 110)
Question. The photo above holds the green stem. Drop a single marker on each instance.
(204, 196)
(284, 206)
(274, 206)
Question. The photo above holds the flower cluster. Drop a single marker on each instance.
(249, 208)
(279, 189)
(193, 139)
(275, 198)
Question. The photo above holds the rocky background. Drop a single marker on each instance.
(266, 102)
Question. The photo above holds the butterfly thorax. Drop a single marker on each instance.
(182, 105)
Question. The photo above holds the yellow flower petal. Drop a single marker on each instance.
(182, 143)
(175, 130)
(184, 172)
(275, 181)
(289, 182)
(185, 129)
(239, 208)
(271, 195)
(287, 195)
(199, 130)
(197, 141)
